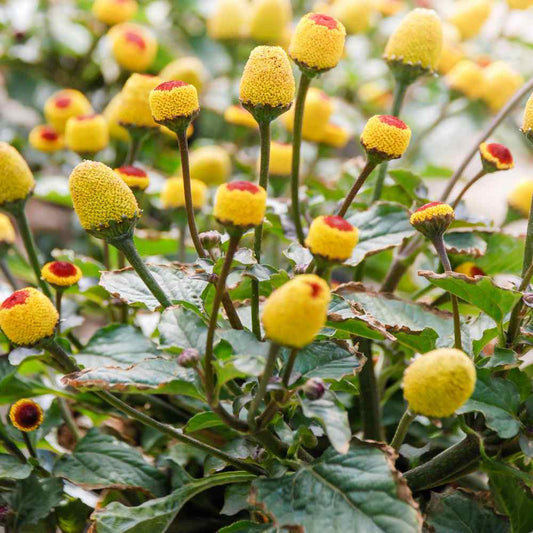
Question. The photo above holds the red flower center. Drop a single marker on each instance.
(17, 298)
(323, 20)
(476, 271)
(316, 288)
(63, 101)
(500, 152)
(86, 117)
(393, 121)
(132, 171)
(243, 186)
(427, 206)
(27, 415)
(169, 85)
(334, 221)
(62, 269)
(49, 134)
(135, 38)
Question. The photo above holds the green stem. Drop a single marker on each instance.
(137, 138)
(6, 271)
(69, 419)
(59, 298)
(10, 446)
(403, 259)
(182, 249)
(289, 367)
(305, 81)
(367, 170)
(28, 444)
(476, 178)
(516, 314)
(401, 430)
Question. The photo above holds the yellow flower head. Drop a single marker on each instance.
(61, 273)
(173, 193)
(389, 8)
(468, 16)
(87, 134)
(495, 156)
(332, 237)
(116, 131)
(228, 20)
(46, 139)
(172, 100)
(65, 104)
(520, 4)
(267, 79)
(210, 164)
(467, 78)
(26, 415)
(375, 94)
(501, 82)
(296, 312)
(318, 42)
(520, 197)
(432, 219)
(134, 104)
(236, 114)
(469, 269)
(16, 181)
(188, 69)
(280, 159)
(451, 54)
(385, 137)
(27, 317)
(112, 12)
(269, 20)
(335, 136)
(527, 121)
(417, 41)
(135, 178)
(240, 203)
(7, 231)
(134, 47)
(354, 14)
(100, 197)
(437, 383)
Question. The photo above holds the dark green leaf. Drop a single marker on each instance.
(464, 243)
(12, 468)
(182, 328)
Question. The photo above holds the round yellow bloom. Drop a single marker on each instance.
(173, 193)
(332, 237)
(26, 415)
(469, 269)
(100, 197)
(389, 7)
(468, 16)
(296, 312)
(520, 4)
(495, 156)
(7, 231)
(501, 82)
(450, 56)
(417, 40)
(437, 383)
(27, 317)
(173, 99)
(210, 164)
(236, 114)
(134, 47)
(16, 181)
(334, 135)
(386, 137)
(188, 69)
(354, 14)
(432, 219)
(267, 79)
(240, 203)
(280, 159)
(116, 131)
(134, 104)
(46, 139)
(228, 20)
(527, 121)
(135, 178)
(467, 78)
(65, 104)
(318, 42)
(269, 19)
(87, 134)
(61, 273)
(112, 12)
(520, 197)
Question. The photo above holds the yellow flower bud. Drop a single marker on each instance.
(467, 78)
(520, 197)
(134, 105)
(240, 203)
(26, 415)
(134, 47)
(7, 231)
(332, 237)
(527, 121)
(46, 139)
(432, 219)
(375, 94)
(437, 383)
(61, 273)
(188, 69)
(501, 82)
(469, 269)
(469, 16)
(112, 12)
(27, 317)
(317, 43)
(65, 104)
(116, 131)
(334, 135)
(280, 159)
(87, 134)
(173, 100)
(173, 193)
(228, 20)
(210, 164)
(385, 137)
(354, 14)
(296, 312)
(236, 114)
(135, 178)
(495, 156)
(389, 7)
(269, 19)
(17, 181)
(417, 41)
(520, 4)
(450, 56)
(100, 197)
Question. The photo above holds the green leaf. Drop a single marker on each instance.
(504, 255)
(182, 328)
(100, 461)
(359, 491)
(12, 468)
(72, 516)
(155, 516)
(410, 182)
(299, 256)
(245, 526)
(501, 358)
(465, 243)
